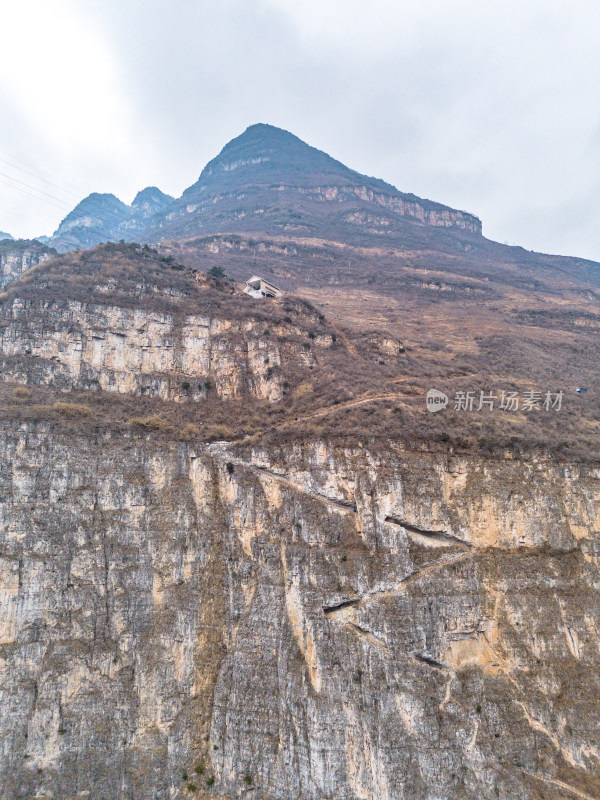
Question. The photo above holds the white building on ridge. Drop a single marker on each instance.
(259, 287)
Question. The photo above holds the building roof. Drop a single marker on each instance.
(255, 281)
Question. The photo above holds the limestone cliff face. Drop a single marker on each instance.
(320, 623)
(18, 256)
(428, 214)
(91, 346)
(401, 205)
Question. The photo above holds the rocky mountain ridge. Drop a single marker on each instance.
(104, 218)
(265, 179)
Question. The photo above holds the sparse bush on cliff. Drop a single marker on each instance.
(72, 409)
(219, 433)
(190, 431)
(154, 422)
(217, 272)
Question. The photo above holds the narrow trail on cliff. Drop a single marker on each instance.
(349, 346)
(341, 407)
(402, 585)
(218, 450)
(344, 612)
(370, 637)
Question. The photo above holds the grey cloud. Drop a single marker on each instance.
(490, 109)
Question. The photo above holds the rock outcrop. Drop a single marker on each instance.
(18, 255)
(90, 347)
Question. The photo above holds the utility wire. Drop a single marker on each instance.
(34, 196)
(34, 189)
(33, 219)
(38, 173)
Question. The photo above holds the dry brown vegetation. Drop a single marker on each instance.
(377, 422)
(72, 409)
(21, 393)
(135, 276)
(354, 391)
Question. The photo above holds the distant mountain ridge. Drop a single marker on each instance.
(266, 180)
(269, 180)
(104, 218)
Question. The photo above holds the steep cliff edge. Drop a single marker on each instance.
(187, 621)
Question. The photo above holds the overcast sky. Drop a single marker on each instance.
(492, 107)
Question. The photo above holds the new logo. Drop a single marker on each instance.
(436, 400)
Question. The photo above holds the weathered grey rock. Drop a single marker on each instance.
(326, 623)
(92, 346)
(16, 256)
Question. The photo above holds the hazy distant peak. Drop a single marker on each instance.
(263, 142)
(153, 196)
(95, 201)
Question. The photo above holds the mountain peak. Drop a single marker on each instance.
(263, 129)
(270, 136)
(104, 218)
(152, 197)
(265, 153)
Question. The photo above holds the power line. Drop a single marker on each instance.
(68, 194)
(34, 196)
(38, 173)
(34, 189)
(35, 218)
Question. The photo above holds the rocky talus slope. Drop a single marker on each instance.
(310, 617)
